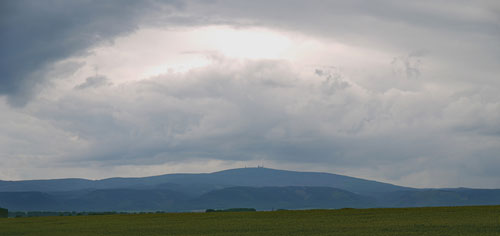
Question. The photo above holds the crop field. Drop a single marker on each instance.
(470, 221)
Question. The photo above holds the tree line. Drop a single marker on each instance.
(4, 212)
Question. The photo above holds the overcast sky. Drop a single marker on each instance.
(405, 92)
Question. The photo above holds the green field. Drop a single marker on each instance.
(477, 220)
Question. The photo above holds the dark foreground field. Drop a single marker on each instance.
(480, 220)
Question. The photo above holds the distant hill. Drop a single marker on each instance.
(260, 188)
(441, 197)
(28, 201)
(196, 184)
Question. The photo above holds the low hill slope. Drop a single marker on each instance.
(441, 197)
(281, 197)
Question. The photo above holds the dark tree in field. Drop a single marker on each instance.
(4, 212)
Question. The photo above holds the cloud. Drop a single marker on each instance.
(94, 82)
(409, 66)
(455, 34)
(37, 34)
(40, 33)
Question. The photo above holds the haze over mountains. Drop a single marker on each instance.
(260, 188)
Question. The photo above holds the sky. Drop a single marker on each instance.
(404, 92)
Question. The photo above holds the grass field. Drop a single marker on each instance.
(477, 220)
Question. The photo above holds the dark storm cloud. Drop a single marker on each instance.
(36, 34)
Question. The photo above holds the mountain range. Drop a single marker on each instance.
(260, 188)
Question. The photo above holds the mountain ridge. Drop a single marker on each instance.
(260, 188)
(232, 177)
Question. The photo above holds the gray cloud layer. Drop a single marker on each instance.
(432, 121)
